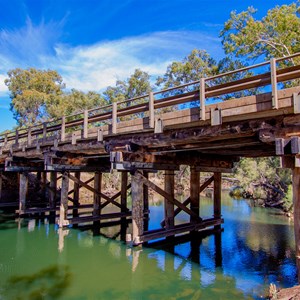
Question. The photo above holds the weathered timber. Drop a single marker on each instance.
(165, 194)
(1, 184)
(64, 200)
(137, 208)
(296, 203)
(89, 219)
(146, 192)
(195, 194)
(76, 195)
(23, 192)
(53, 190)
(178, 229)
(124, 180)
(108, 199)
(97, 197)
(169, 205)
(217, 194)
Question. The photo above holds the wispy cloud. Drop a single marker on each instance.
(27, 45)
(96, 66)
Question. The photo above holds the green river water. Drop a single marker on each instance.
(38, 261)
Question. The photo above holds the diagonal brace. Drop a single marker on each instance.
(188, 200)
(160, 191)
(115, 196)
(78, 181)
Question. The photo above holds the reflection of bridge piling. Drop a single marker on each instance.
(160, 131)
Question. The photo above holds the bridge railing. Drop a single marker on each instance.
(154, 103)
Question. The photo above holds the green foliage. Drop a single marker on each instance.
(261, 178)
(73, 102)
(32, 92)
(196, 65)
(138, 84)
(276, 35)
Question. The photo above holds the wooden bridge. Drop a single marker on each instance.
(189, 125)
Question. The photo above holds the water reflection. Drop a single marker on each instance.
(255, 249)
(62, 233)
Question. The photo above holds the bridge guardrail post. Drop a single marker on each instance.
(151, 110)
(202, 98)
(85, 124)
(29, 137)
(17, 137)
(274, 83)
(44, 131)
(114, 118)
(5, 139)
(63, 129)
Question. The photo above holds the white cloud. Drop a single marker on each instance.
(3, 87)
(96, 66)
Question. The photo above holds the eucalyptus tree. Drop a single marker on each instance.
(32, 92)
(276, 34)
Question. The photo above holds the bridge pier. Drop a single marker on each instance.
(23, 192)
(296, 202)
(64, 200)
(137, 209)
(217, 196)
(97, 197)
(195, 194)
(53, 194)
(168, 205)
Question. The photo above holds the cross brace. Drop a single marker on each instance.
(108, 199)
(160, 191)
(188, 200)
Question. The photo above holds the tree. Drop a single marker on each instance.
(276, 35)
(73, 102)
(138, 84)
(261, 179)
(194, 66)
(32, 92)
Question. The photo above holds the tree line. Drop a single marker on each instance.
(37, 95)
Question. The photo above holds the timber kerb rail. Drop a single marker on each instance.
(147, 105)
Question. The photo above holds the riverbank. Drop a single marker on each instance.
(292, 293)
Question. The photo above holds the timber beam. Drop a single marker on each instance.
(178, 229)
(17, 164)
(147, 161)
(70, 162)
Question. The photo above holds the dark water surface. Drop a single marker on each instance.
(38, 261)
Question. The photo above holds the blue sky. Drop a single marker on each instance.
(92, 43)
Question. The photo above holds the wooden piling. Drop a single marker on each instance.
(1, 184)
(64, 200)
(195, 193)
(76, 195)
(137, 208)
(296, 202)
(217, 196)
(146, 201)
(124, 181)
(97, 197)
(169, 206)
(23, 192)
(52, 192)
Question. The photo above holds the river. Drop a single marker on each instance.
(256, 248)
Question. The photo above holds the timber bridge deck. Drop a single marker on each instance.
(189, 125)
